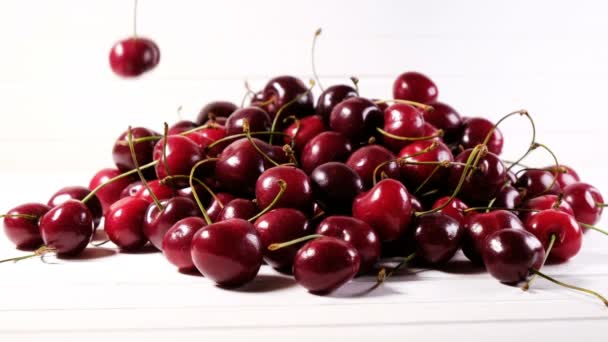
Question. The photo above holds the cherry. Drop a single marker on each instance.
(335, 186)
(509, 254)
(386, 207)
(203, 194)
(586, 202)
(475, 131)
(280, 225)
(257, 119)
(416, 204)
(216, 207)
(181, 127)
(446, 118)
(297, 195)
(207, 136)
(134, 56)
(540, 203)
(455, 209)
(366, 159)
(240, 165)
(323, 148)
(437, 237)
(281, 90)
(228, 252)
(484, 181)
(143, 150)
(356, 118)
(415, 86)
(402, 120)
(178, 240)
(477, 227)
(357, 233)
(429, 130)
(567, 233)
(160, 190)
(21, 225)
(158, 220)
(508, 197)
(132, 189)
(124, 223)
(566, 175)
(425, 151)
(176, 155)
(111, 192)
(330, 97)
(215, 110)
(537, 182)
(78, 193)
(67, 228)
(303, 130)
(238, 208)
(325, 264)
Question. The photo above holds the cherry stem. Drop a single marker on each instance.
(319, 214)
(292, 101)
(243, 135)
(520, 112)
(275, 246)
(428, 178)
(533, 125)
(138, 170)
(135, 18)
(355, 81)
(527, 285)
(437, 134)
(165, 162)
(601, 205)
(257, 148)
(433, 145)
(112, 180)
(248, 92)
(382, 275)
(514, 163)
(101, 243)
(283, 188)
(588, 226)
(556, 171)
(195, 194)
(298, 126)
(39, 252)
(419, 105)
(490, 204)
(158, 137)
(288, 149)
(314, 68)
(576, 288)
(25, 216)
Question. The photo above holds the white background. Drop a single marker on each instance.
(62, 108)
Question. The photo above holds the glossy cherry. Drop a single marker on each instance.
(455, 209)
(279, 91)
(402, 120)
(485, 181)
(386, 207)
(357, 233)
(109, 193)
(78, 193)
(298, 193)
(566, 175)
(437, 237)
(134, 56)
(67, 228)
(132, 189)
(257, 119)
(414, 174)
(326, 147)
(335, 186)
(304, 130)
(446, 118)
(24, 231)
(214, 110)
(207, 136)
(356, 118)
(176, 157)
(477, 227)
(238, 208)
(540, 203)
(330, 97)
(159, 189)
(415, 86)
(124, 223)
(537, 182)
(366, 159)
(474, 132)
(181, 127)
(178, 240)
(509, 254)
(508, 197)
(214, 209)
(143, 150)
(281, 225)
(158, 221)
(325, 264)
(586, 202)
(568, 233)
(228, 252)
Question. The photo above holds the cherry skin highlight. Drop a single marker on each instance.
(178, 240)
(24, 232)
(124, 223)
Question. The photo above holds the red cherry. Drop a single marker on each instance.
(415, 86)
(330, 97)
(238, 208)
(124, 223)
(257, 119)
(24, 231)
(437, 237)
(386, 207)
(279, 91)
(356, 118)
(402, 120)
(159, 189)
(323, 148)
(304, 130)
(474, 132)
(536, 183)
(143, 150)
(568, 233)
(335, 186)
(157, 222)
(215, 110)
(240, 165)
(477, 227)
(78, 193)
(413, 174)
(178, 240)
(541, 203)
(132, 189)
(179, 157)
(111, 192)
(508, 197)
(297, 195)
(565, 176)
(207, 136)
(133, 56)
(446, 118)
(181, 127)
(455, 209)
(214, 209)
(365, 160)
(485, 181)
(586, 202)
(67, 228)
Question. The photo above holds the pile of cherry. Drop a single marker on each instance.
(323, 191)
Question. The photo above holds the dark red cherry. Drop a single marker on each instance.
(178, 240)
(455, 209)
(413, 175)
(568, 233)
(509, 254)
(132, 189)
(207, 136)
(437, 237)
(67, 228)
(415, 86)
(281, 90)
(474, 132)
(325, 264)
(143, 150)
(124, 223)
(238, 208)
(330, 97)
(298, 192)
(356, 232)
(24, 232)
(257, 118)
(416, 204)
(387, 207)
(203, 195)
(586, 202)
(304, 130)
(78, 193)
(181, 127)
(485, 181)
(508, 197)
(240, 165)
(111, 192)
(281, 225)
(430, 130)
(326, 147)
(335, 186)
(565, 176)
(477, 227)
(402, 120)
(365, 160)
(159, 189)
(157, 222)
(214, 209)
(446, 118)
(356, 118)
(537, 182)
(540, 203)
(177, 157)
(228, 252)
(215, 110)
(133, 56)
